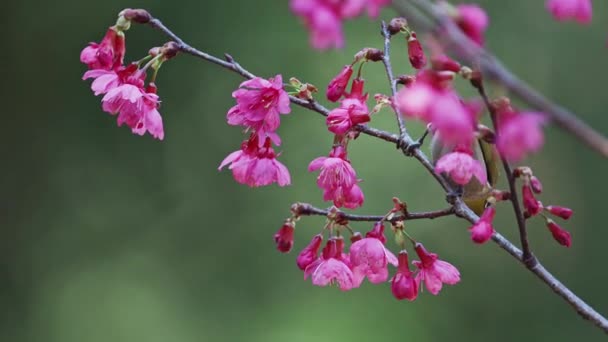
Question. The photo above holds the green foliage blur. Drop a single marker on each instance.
(107, 236)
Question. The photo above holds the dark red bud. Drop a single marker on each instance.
(560, 235)
(396, 25)
(140, 16)
(563, 212)
(415, 52)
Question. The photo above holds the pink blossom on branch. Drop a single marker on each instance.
(284, 237)
(482, 231)
(331, 267)
(434, 272)
(259, 103)
(337, 87)
(369, 258)
(461, 166)
(338, 179)
(256, 166)
(310, 253)
(350, 113)
(403, 284)
(473, 21)
(106, 55)
(519, 134)
(578, 10)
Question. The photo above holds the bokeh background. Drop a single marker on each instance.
(107, 236)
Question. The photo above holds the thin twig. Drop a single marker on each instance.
(386, 60)
(528, 257)
(460, 208)
(305, 209)
(453, 39)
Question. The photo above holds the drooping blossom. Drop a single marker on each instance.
(560, 235)
(403, 284)
(337, 87)
(259, 105)
(310, 253)
(338, 179)
(415, 52)
(369, 258)
(284, 236)
(324, 18)
(536, 185)
(256, 166)
(473, 21)
(434, 272)
(350, 113)
(461, 166)
(331, 268)
(106, 55)
(531, 204)
(482, 231)
(519, 134)
(136, 105)
(578, 10)
(562, 212)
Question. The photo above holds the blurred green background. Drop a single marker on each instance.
(107, 236)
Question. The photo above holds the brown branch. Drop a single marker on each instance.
(305, 209)
(529, 259)
(443, 28)
(406, 143)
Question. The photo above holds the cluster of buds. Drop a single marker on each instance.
(124, 87)
(534, 207)
(368, 257)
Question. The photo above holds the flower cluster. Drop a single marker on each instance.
(124, 86)
(259, 104)
(533, 207)
(324, 18)
(368, 258)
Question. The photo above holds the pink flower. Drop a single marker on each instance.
(331, 268)
(461, 167)
(434, 272)
(560, 235)
(259, 103)
(108, 54)
(415, 52)
(579, 10)
(453, 122)
(337, 86)
(473, 21)
(562, 212)
(350, 113)
(533, 207)
(337, 179)
(415, 101)
(135, 106)
(350, 198)
(256, 166)
(374, 7)
(310, 253)
(369, 258)
(284, 237)
(519, 134)
(403, 284)
(323, 20)
(482, 231)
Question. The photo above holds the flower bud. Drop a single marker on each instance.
(338, 84)
(396, 25)
(140, 16)
(284, 237)
(482, 231)
(415, 52)
(536, 185)
(310, 253)
(562, 212)
(532, 206)
(560, 235)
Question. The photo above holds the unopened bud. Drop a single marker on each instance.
(140, 16)
(562, 212)
(397, 25)
(406, 80)
(415, 52)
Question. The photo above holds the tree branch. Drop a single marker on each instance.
(528, 258)
(386, 60)
(443, 28)
(405, 141)
(305, 209)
